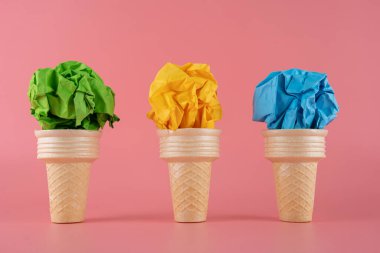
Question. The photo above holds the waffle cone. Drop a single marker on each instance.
(190, 184)
(295, 155)
(189, 153)
(68, 184)
(295, 187)
(69, 155)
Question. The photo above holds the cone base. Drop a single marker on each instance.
(190, 217)
(295, 220)
(66, 221)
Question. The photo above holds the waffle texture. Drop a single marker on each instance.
(68, 184)
(190, 184)
(295, 187)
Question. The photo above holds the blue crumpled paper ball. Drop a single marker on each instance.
(294, 99)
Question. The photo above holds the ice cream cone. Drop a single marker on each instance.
(295, 154)
(189, 153)
(68, 155)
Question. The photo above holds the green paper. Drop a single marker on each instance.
(71, 96)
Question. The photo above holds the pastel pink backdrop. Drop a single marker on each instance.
(126, 42)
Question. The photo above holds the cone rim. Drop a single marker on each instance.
(189, 132)
(294, 132)
(67, 133)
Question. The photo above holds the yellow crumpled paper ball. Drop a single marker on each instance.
(184, 97)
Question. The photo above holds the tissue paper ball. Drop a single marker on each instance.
(71, 96)
(184, 97)
(295, 99)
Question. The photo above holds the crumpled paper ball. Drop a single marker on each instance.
(295, 99)
(184, 97)
(71, 96)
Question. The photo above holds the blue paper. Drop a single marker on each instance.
(294, 99)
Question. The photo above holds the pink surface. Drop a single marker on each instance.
(129, 205)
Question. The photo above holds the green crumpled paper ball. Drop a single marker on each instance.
(71, 96)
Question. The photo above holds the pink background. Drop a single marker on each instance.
(126, 42)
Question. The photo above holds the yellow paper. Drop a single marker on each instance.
(184, 97)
